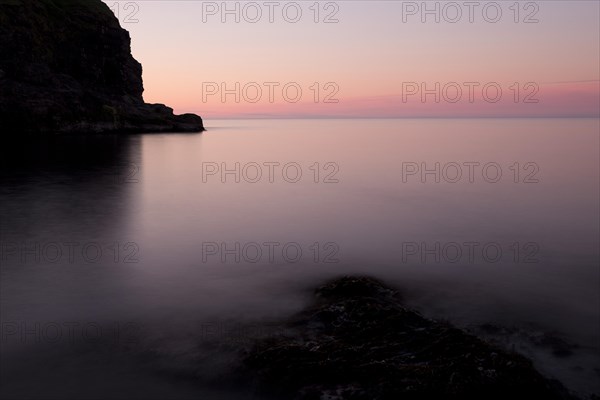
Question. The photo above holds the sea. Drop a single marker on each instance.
(134, 266)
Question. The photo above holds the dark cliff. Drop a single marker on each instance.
(66, 67)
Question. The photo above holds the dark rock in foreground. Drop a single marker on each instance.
(357, 341)
(66, 67)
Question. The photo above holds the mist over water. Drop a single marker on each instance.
(154, 243)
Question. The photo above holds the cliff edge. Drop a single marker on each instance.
(66, 67)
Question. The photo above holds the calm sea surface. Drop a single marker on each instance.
(115, 247)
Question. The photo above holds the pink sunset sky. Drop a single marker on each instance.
(368, 58)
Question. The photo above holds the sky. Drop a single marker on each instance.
(368, 58)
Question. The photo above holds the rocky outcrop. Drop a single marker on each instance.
(66, 67)
(357, 341)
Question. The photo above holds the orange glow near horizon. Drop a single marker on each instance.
(366, 59)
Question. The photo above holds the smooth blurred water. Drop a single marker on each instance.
(124, 234)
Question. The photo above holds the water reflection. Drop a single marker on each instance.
(219, 246)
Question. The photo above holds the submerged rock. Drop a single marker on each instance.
(66, 67)
(357, 341)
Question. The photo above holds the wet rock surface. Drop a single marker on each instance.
(357, 341)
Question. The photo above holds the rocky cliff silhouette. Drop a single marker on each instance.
(66, 67)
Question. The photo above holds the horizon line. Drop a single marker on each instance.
(404, 117)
